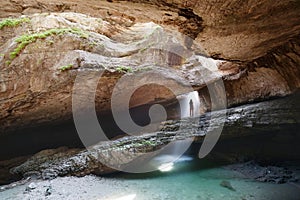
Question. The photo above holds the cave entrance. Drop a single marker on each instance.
(31, 140)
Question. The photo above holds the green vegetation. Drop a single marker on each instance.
(13, 22)
(134, 144)
(95, 44)
(50, 42)
(27, 39)
(66, 67)
(148, 143)
(124, 69)
(144, 143)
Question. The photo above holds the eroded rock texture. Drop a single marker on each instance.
(257, 41)
(38, 81)
(256, 119)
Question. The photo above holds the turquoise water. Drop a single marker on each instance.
(188, 180)
(199, 179)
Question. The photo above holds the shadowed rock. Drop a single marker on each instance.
(253, 119)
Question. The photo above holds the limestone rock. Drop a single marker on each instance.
(265, 117)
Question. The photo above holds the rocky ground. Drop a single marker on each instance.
(267, 173)
(231, 182)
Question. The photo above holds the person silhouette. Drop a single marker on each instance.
(191, 108)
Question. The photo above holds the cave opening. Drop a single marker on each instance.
(30, 140)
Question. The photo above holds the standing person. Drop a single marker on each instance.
(191, 108)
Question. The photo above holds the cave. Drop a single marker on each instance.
(149, 99)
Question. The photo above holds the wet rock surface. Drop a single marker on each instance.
(227, 184)
(255, 119)
(271, 174)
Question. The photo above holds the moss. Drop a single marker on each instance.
(8, 62)
(26, 39)
(13, 22)
(92, 44)
(148, 143)
(66, 67)
(50, 42)
(143, 143)
(124, 69)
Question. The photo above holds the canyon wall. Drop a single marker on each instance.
(256, 45)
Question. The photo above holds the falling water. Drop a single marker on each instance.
(189, 102)
(189, 107)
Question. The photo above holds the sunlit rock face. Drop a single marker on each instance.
(257, 43)
(234, 30)
(38, 83)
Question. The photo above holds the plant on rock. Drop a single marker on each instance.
(13, 22)
(27, 39)
(66, 67)
(124, 69)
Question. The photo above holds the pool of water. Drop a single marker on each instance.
(200, 179)
(189, 179)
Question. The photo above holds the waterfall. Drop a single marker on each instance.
(173, 151)
(189, 102)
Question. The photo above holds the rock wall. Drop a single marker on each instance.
(259, 120)
(257, 42)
